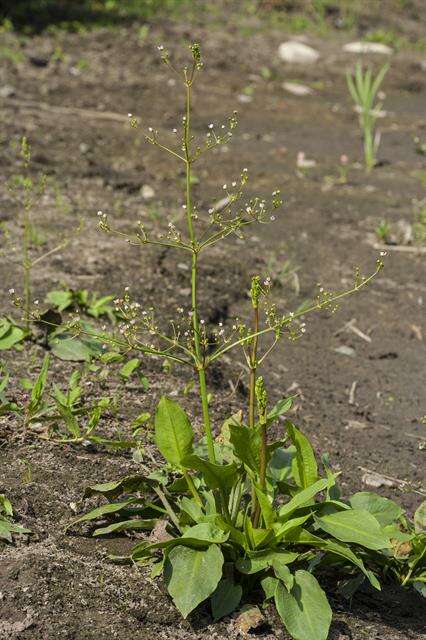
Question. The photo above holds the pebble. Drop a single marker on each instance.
(345, 351)
(297, 89)
(368, 47)
(7, 91)
(375, 480)
(297, 53)
(147, 192)
(244, 99)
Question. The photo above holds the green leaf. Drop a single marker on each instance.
(192, 575)
(216, 476)
(303, 497)
(420, 517)
(67, 347)
(5, 505)
(38, 388)
(7, 528)
(304, 609)
(261, 560)
(345, 552)
(60, 299)
(283, 573)
(280, 465)
(173, 432)
(357, 526)
(268, 513)
(104, 510)
(269, 585)
(384, 510)
(111, 490)
(247, 444)
(305, 468)
(129, 367)
(226, 598)
(281, 407)
(10, 334)
(206, 532)
(126, 525)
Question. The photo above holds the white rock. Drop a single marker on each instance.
(244, 98)
(376, 480)
(297, 53)
(147, 192)
(297, 89)
(7, 91)
(368, 47)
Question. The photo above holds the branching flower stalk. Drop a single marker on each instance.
(26, 261)
(191, 346)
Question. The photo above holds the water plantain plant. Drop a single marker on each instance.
(238, 513)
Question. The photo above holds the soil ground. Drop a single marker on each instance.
(54, 585)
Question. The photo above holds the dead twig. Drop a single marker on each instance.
(352, 392)
(33, 105)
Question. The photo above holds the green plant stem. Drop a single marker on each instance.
(200, 361)
(262, 467)
(192, 488)
(252, 386)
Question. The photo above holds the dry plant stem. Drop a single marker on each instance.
(200, 361)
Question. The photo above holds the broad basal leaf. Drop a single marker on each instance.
(247, 444)
(357, 526)
(192, 575)
(10, 334)
(305, 468)
(226, 598)
(173, 432)
(216, 476)
(304, 610)
(206, 532)
(302, 498)
(384, 510)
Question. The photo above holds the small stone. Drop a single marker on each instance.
(250, 617)
(182, 266)
(368, 47)
(346, 351)
(84, 148)
(147, 192)
(7, 91)
(356, 424)
(297, 53)
(244, 98)
(376, 480)
(297, 89)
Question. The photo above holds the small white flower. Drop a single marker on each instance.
(36, 301)
(211, 125)
(174, 130)
(225, 186)
(11, 291)
(272, 218)
(99, 213)
(383, 253)
(150, 129)
(234, 184)
(129, 115)
(160, 47)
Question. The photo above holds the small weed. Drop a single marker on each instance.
(363, 88)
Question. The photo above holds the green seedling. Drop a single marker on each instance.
(364, 88)
(7, 527)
